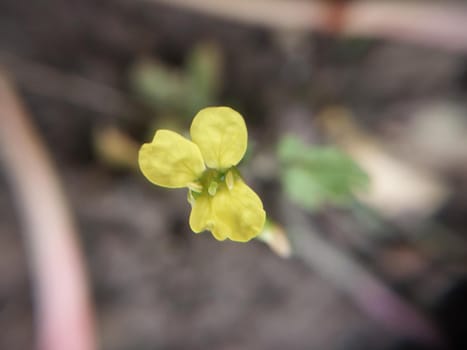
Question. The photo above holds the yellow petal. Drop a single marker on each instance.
(170, 160)
(236, 214)
(220, 133)
(201, 213)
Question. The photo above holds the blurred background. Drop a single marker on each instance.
(357, 119)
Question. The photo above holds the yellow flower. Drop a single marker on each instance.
(221, 202)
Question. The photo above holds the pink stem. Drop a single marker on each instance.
(64, 317)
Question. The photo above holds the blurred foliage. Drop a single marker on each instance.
(203, 73)
(171, 94)
(179, 92)
(314, 176)
(115, 148)
(157, 85)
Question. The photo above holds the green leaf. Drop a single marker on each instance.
(159, 86)
(203, 73)
(314, 176)
(179, 91)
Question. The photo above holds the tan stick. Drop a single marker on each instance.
(64, 317)
(439, 25)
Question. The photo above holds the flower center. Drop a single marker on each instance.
(212, 181)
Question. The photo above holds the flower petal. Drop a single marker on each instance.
(221, 134)
(201, 213)
(170, 160)
(236, 214)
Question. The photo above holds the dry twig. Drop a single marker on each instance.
(47, 81)
(435, 24)
(372, 296)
